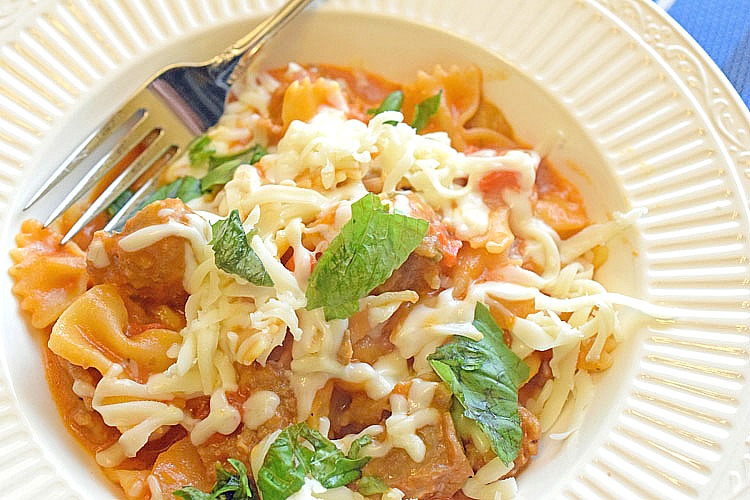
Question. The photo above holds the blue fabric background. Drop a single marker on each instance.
(722, 28)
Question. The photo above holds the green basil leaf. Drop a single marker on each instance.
(362, 256)
(484, 377)
(222, 168)
(371, 485)
(283, 472)
(425, 110)
(119, 202)
(185, 188)
(250, 156)
(229, 485)
(300, 452)
(219, 175)
(192, 493)
(189, 189)
(200, 150)
(234, 486)
(355, 450)
(233, 253)
(392, 102)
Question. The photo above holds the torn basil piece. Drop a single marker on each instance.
(484, 377)
(425, 110)
(233, 253)
(362, 256)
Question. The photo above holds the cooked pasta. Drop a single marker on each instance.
(48, 277)
(362, 289)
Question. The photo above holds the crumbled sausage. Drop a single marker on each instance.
(154, 273)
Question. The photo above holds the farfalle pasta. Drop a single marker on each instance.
(47, 276)
(349, 287)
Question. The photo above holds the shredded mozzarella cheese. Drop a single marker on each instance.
(259, 408)
(430, 324)
(297, 198)
(410, 413)
(313, 490)
(488, 485)
(131, 408)
(222, 418)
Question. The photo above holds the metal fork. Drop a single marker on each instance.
(158, 121)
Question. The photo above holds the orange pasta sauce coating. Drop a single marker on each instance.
(143, 291)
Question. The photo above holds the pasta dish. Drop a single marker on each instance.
(349, 288)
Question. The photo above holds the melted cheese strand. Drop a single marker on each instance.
(300, 194)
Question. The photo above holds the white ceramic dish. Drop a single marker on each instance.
(647, 120)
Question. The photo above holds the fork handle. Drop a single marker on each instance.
(234, 60)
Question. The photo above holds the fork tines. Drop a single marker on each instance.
(138, 150)
(85, 149)
(164, 115)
